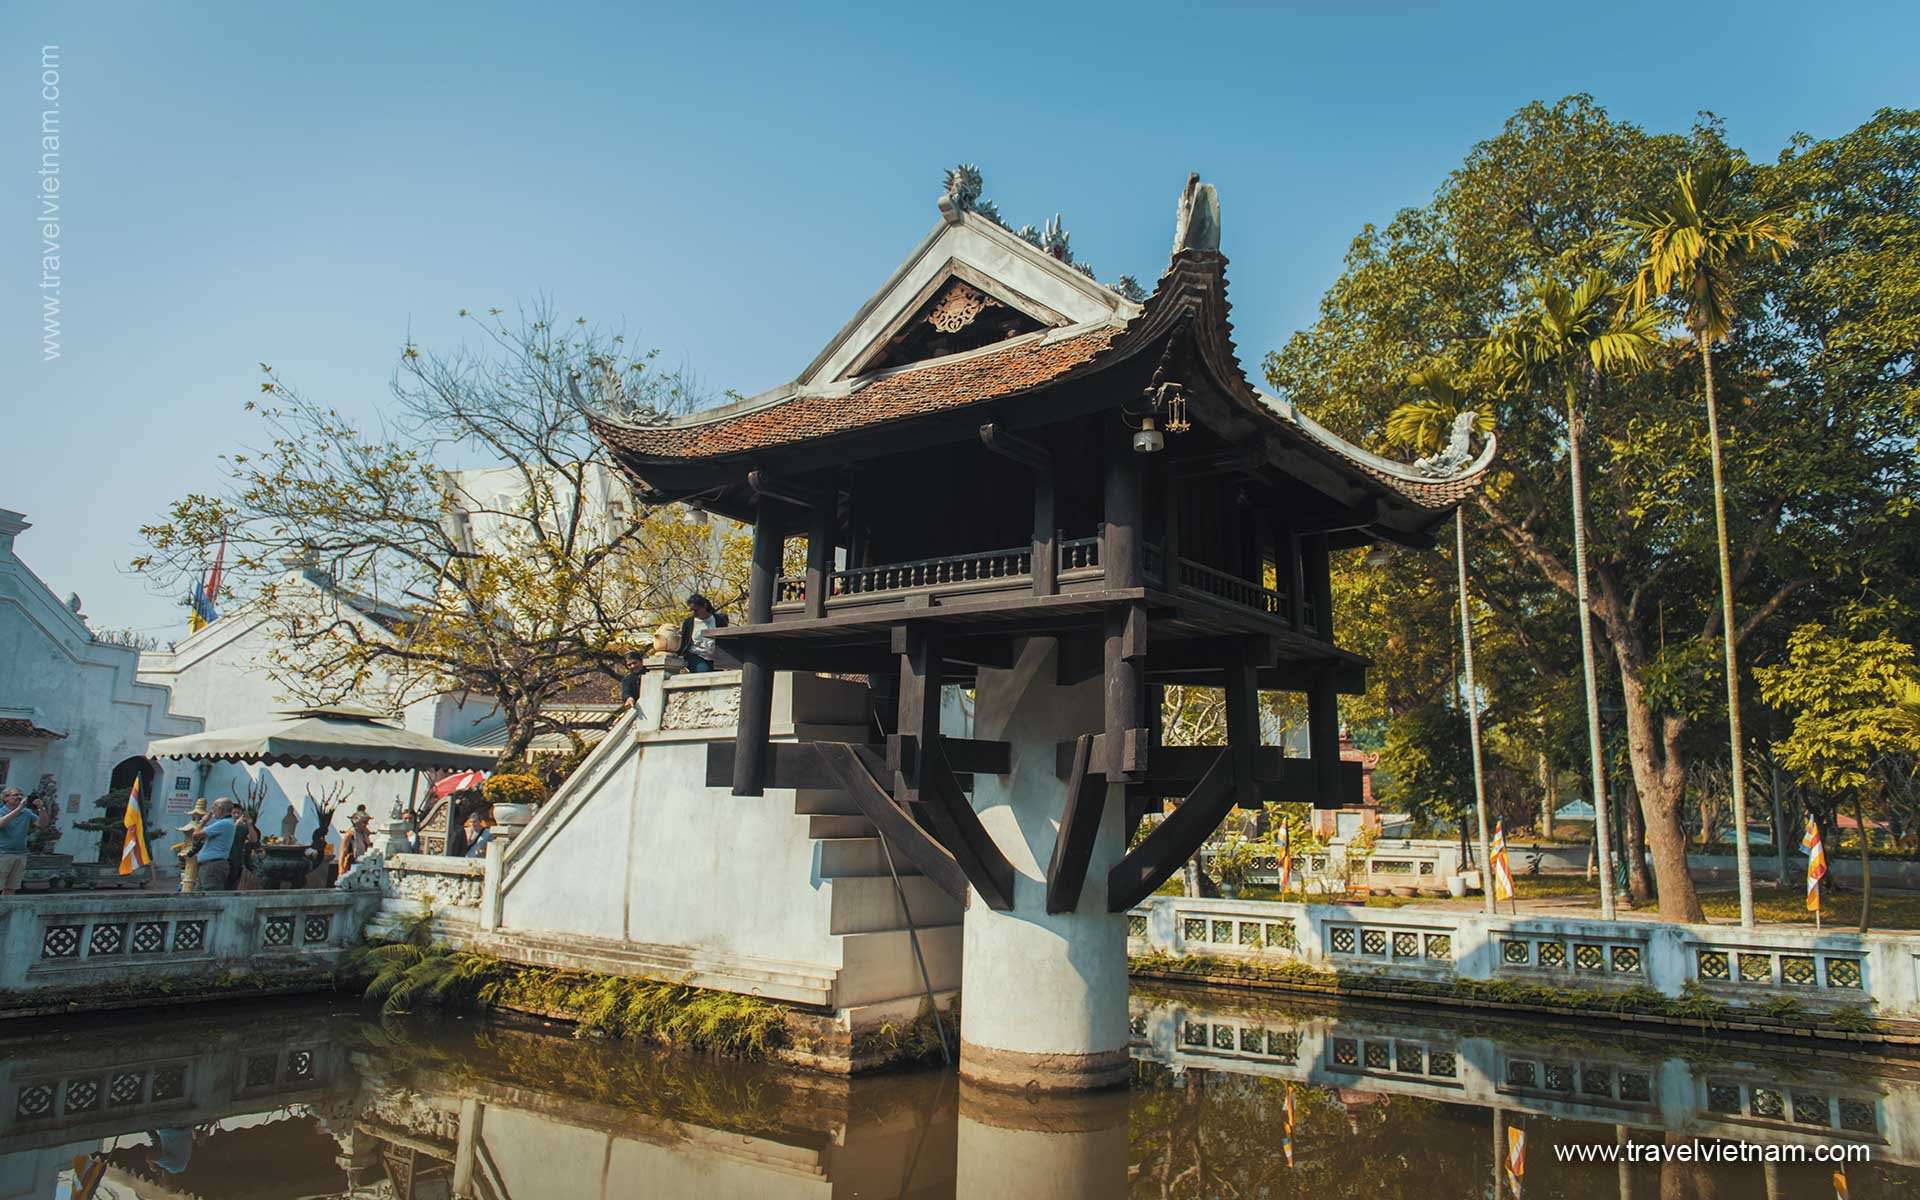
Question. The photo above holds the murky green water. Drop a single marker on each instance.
(1231, 1098)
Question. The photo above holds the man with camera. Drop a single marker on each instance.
(18, 816)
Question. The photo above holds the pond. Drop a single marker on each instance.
(1230, 1097)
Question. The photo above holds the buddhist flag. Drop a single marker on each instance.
(88, 1171)
(1286, 1136)
(1816, 864)
(1516, 1159)
(133, 851)
(1497, 864)
(206, 591)
(1284, 852)
(1839, 1183)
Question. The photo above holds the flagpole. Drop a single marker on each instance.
(1473, 697)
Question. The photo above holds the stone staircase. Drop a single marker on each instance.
(868, 917)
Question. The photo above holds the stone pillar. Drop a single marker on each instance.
(1045, 994)
(1053, 1146)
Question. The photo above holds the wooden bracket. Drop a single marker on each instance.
(1175, 840)
(959, 829)
(1011, 445)
(855, 775)
(1079, 825)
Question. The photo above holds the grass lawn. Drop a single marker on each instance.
(1891, 911)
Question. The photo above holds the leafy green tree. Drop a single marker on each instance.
(1696, 240)
(1850, 696)
(1821, 409)
(1575, 337)
(544, 600)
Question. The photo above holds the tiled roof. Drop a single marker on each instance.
(20, 727)
(911, 392)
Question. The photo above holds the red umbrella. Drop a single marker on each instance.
(458, 783)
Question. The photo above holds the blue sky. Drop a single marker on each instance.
(304, 185)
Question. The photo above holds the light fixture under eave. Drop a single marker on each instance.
(1379, 556)
(1149, 439)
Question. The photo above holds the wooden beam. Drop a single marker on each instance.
(1121, 555)
(919, 707)
(1046, 536)
(1004, 442)
(1125, 670)
(1319, 571)
(1277, 778)
(756, 673)
(1243, 730)
(1353, 516)
(959, 829)
(1079, 826)
(1081, 658)
(1323, 741)
(1175, 840)
(854, 771)
(819, 561)
(766, 486)
(967, 756)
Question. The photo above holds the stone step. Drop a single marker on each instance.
(833, 825)
(799, 982)
(870, 904)
(854, 856)
(880, 966)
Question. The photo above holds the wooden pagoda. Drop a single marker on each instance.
(998, 448)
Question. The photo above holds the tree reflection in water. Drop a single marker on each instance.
(318, 1101)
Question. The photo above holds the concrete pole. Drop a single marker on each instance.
(1046, 1005)
(1473, 709)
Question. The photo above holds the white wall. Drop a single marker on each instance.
(223, 675)
(54, 674)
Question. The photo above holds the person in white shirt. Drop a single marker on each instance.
(696, 633)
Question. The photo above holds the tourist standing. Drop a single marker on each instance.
(17, 819)
(217, 837)
(696, 633)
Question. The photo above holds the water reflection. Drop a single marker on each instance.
(1230, 1098)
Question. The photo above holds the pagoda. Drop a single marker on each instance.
(1011, 478)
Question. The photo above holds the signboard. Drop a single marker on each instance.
(180, 795)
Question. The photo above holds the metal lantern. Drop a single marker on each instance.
(1174, 401)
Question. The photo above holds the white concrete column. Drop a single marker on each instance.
(1043, 996)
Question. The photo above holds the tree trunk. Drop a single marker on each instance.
(1742, 857)
(1866, 859)
(1639, 883)
(1659, 776)
(1549, 787)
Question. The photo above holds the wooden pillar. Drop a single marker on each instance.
(1319, 571)
(921, 674)
(1126, 693)
(1242, 686)
(1297, 580)
(756, 678)
(1046, 548)
(819, 559)
(1121, 554)
(1170, 539)
(1323, 739)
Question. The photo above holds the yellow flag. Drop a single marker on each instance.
(133, 852)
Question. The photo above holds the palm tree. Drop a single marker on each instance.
(1696, 240)
(1422, 425)
(1574, 335)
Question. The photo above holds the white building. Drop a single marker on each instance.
(72, 706)
(224, 675)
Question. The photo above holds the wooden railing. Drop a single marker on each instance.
(1079, 553)
(1202, 578)
(1013, 563)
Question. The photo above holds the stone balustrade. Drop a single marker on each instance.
(70, 942)
(1748, 967)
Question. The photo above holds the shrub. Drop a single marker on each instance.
(515, 789)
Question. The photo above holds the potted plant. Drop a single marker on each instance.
(513, 797)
